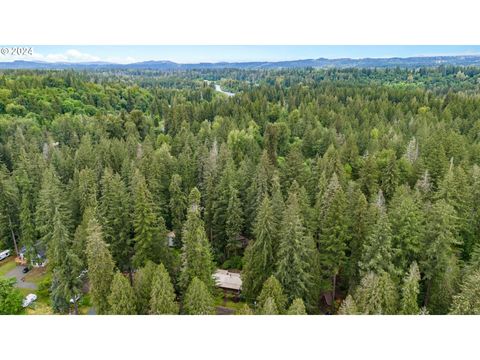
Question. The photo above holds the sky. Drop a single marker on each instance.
(229, 53)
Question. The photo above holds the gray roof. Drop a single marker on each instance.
(227, 280)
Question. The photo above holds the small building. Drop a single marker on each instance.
(39, 261)
(228, 281)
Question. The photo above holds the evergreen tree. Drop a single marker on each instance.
(297, 308)
(269, 307)
(122, 297)
(196, 254)
(178, 206)
(259, 259)
(100, 267)
(272, 289)
(377, 250)
(27, 229)
(407, 225)
(259, 188)
(278, 207)
(223, 193)
(50, 199)
(467, 301)
(333, 234)
(142, 285)
(295, 253)
(439, 263)
(150, 233)
(66, 282)
(198, 300)
(348, 306)
(377, 295)
(234, 223)
(244, 310)
(162, 299)
(359, 222)
(9, 206)
(410, 291)
(115, 210)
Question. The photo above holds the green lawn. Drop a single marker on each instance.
(7, 265)
(36, 275)
(219, 301)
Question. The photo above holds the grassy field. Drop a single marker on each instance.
(7, 265)
(36, 275)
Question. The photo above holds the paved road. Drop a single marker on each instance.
(18, 274)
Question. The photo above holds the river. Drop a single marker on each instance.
(219, 89)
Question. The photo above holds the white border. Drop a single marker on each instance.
(90, 22)
(95, 22)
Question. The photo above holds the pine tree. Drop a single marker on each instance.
(178, 206)
(297, 308)
(377, 295)
(410, 291)
(359, 221)
(377, 250)
(272, 289)
(259, 259)
(259, 188)
(9, 206)
(234, 223)
(198, 300)
(269, 307)
(294, 169)
(407, 225)
(244, 310)
(115, 210)
(66, 264)
(100, 267)
(278, 207)
(294, 253)
(348, 306)
(142, 285)
(150, 231)
(456, 191)
(196, 254)
(467, 301)
(50, 199)
(162, 299)
(223, 192)
(27, 228)
(388, 167)
(439, 262)
(333, 233)
(369, 176)
(157, 168)
(122, 297)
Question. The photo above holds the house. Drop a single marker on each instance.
(228, 281)
(39, 261)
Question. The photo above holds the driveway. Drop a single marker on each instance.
(18, 274)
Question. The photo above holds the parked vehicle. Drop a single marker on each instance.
(29, 299)
(25, 270)
(4, 254)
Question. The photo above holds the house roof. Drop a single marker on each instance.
(227, 280)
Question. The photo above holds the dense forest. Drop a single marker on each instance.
(335, 191)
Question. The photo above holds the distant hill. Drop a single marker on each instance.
(411, 62)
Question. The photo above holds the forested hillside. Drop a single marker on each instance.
(332, 191)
